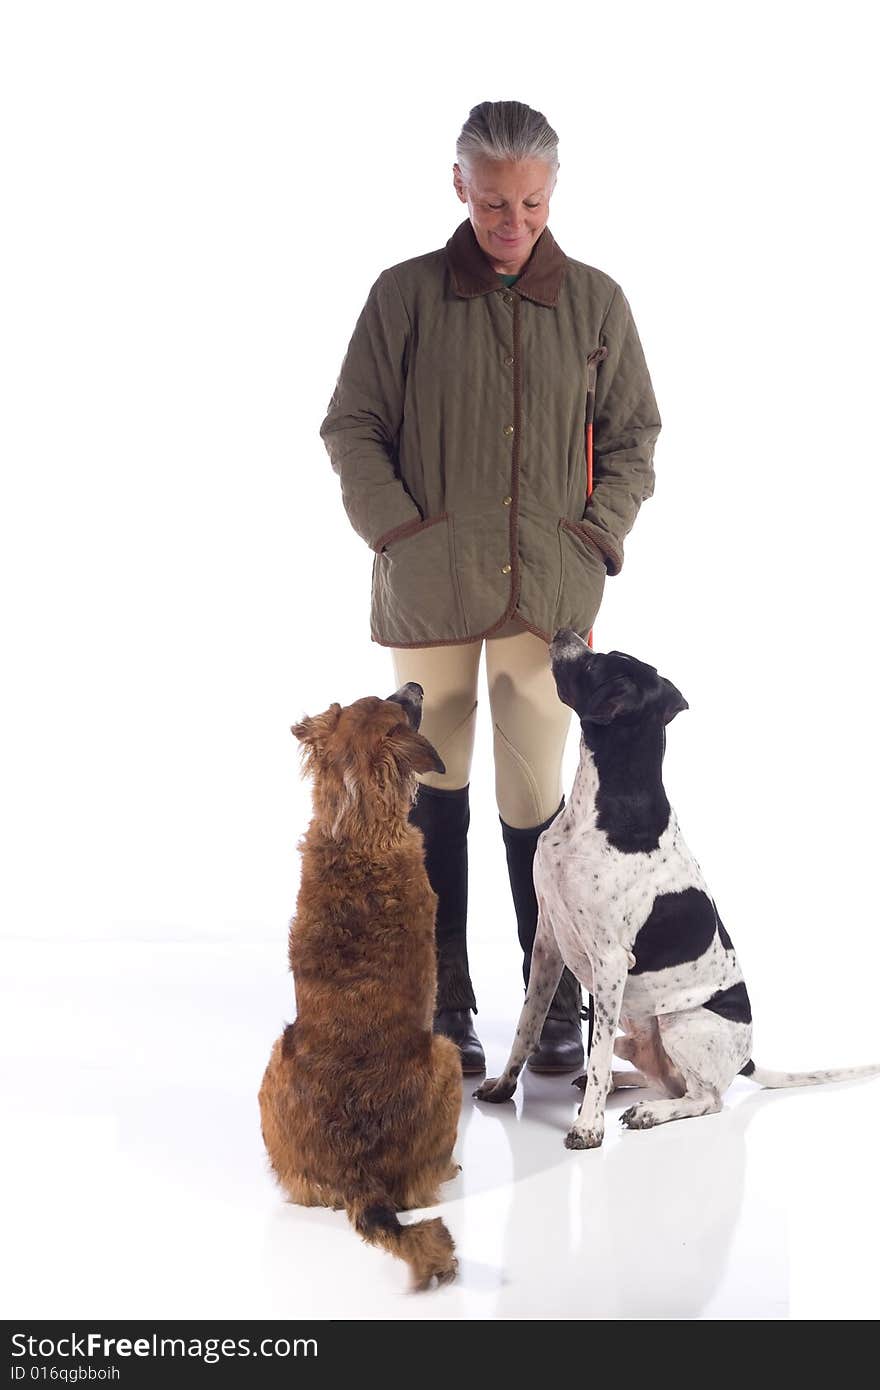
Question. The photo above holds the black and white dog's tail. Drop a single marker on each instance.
(777, 1079)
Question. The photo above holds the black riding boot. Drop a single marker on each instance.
(443, 818)
(561, 1045)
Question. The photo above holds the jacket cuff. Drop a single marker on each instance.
(612, 557)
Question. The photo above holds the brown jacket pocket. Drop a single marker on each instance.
(582, 578)
(408, 528)
(416, 592)
(583, 535)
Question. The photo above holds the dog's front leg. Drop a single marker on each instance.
(609, 981)
(545, 973)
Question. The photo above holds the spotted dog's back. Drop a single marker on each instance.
(654, 902)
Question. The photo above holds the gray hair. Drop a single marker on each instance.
(506, 130)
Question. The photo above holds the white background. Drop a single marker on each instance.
(197, 198)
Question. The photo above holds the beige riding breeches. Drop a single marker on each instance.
(529, 721)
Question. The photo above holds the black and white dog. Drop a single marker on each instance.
(622, 903)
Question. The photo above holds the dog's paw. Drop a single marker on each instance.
(495, 1089)
(638, 1117)
(584, 1138)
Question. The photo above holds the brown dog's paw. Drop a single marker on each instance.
(495, 1089)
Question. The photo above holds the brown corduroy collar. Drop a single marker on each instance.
(472, 274)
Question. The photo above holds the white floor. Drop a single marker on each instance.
(136, 1184)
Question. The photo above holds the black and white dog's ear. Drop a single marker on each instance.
(616, 697)
(672, 700)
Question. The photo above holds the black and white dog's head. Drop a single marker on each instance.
(610, 688)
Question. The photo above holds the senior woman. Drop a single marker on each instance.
(457, 430)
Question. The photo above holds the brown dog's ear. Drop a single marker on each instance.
(312, 730)
(415, 750)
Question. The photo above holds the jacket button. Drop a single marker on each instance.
(508, 298)
(508, 361)
(505, 569)
(506, 501)
(508, 429)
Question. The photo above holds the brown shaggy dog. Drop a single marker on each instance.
(360, 1101)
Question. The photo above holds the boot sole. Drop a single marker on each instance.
(473, 1069)
(556, 1071)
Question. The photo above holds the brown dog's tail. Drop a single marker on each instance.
(426, 1246)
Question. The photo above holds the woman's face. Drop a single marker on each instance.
(508, 202)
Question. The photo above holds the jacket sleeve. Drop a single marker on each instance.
(363, 418)
(625, 426)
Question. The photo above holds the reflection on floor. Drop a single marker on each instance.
(137, 1184)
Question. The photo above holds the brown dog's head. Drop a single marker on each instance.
(363, 759)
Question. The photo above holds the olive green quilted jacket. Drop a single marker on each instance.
(457, 430)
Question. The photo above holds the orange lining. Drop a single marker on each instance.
(589, 490)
